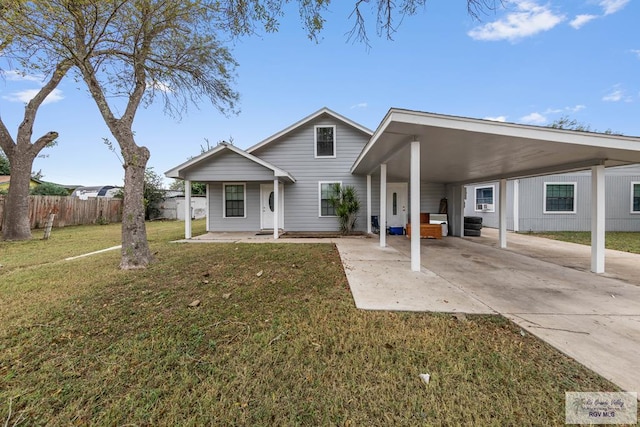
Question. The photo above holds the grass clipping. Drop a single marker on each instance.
(274, 340)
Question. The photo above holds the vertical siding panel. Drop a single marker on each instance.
(295, 154)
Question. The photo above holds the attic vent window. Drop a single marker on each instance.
(325, 141)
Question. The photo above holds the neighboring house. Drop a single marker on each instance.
(560, 202)
(285, 181)
(83, 193)
(5, 181)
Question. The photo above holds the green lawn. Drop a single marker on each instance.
(274, 340)
(620, 241)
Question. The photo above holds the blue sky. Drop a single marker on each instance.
(531, 62)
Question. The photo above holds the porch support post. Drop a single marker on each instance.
(415, 205)
(516, 205)
(463, 195)
(502, 211)
(206, 208)
(383, 205)
(369, 204)
(276, 207)
(187, 209)
(597, 219)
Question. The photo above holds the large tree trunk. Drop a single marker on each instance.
(16, 224)
(135, 248)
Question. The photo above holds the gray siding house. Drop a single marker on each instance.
(560, 202)
(304, 159)
(411, 164)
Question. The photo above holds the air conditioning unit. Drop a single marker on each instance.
(484, 206)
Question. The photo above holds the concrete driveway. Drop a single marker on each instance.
(543, 286)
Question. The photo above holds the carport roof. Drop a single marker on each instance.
(463, 150)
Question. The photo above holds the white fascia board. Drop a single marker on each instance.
(374, 138)
(175, 172)
(306, 120)
(518, 130)
(276, 171)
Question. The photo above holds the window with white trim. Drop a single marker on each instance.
(327, 190)
(325, 141)
(484, 199)
(635, 197)
(559, 197)
(234, 200)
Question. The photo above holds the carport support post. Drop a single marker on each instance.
(463, 196)
(369, 204)
(383, 205)
(415, 205)
(502, 211)
(516, 205)
(276, 207)
(187, 209)
(597, 219)
(206, 210)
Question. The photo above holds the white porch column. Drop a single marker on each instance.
(187, 209)
(276, 207)
(206, 208)
(369, 204)
(383, 205)
(516, 205)
(415, 205)
(463, 195)
(597, 219)
(502, 211)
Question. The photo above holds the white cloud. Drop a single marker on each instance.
(529, 19)
(534, 118)
(612, 6)
(570, 109)
(636, 51)
(28, 94)
(360, 105)
(497, 118)
(615, 95)
(17, 76)
(581, 20)
(161, 86)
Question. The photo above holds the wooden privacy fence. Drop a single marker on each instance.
(70, 210)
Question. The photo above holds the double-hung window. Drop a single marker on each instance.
(325, 141)
(234, 200)
(635, 197)
(560, 197)
(484, 199)
(327, 190)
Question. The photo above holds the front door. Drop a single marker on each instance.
(267, 197)
(397, 207)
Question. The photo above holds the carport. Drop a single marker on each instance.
(423, 147)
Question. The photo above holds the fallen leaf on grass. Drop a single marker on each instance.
(226, 296)
(259, 273)
(194, 303)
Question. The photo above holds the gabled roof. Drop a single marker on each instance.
(177, 171)
(306, 120)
